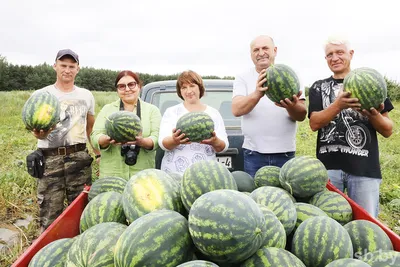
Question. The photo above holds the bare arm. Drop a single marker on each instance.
(89, 128)
(215, 142)
(380, 121)
(171, 142)
(296, 108)
(242, 105)
(319, 119)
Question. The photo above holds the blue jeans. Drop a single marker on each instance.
(363, 190)
(254, 160)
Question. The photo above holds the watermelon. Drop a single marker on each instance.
(95, 247)
(303, 176)
(394, 205)
(306, 211)
(382, 258)
(275, 235)
(105, 207)
(367, 237)
(347, 263)
(176, 176)
(226, 226)
(159, 238)
(106, 184)
(282, 83)
(244, 181)
(267, 176)
(53, 254)
(202, 177)
(272, 257)
(279, 202)
(368, 85)
(197, 126)
(198, 263)
(334, 205)
(150, 190)
(123, 126)
(41, 111)
(321, 240)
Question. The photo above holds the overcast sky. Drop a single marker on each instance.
(210, 37)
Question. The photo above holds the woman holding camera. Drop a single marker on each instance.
(124, 160)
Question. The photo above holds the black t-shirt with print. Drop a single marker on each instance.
(348, 142)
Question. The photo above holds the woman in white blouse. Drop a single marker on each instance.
(180, 153)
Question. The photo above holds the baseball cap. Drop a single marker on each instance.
(68, 52)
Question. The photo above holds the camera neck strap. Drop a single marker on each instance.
(121, 107)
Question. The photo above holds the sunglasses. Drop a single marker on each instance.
(123, 86)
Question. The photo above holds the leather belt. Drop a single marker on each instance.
(63, 150)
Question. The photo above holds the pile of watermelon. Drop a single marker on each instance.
(211, 217)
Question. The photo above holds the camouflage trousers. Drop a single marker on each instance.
(64, 176)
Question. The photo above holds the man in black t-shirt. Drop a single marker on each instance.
(347, 142)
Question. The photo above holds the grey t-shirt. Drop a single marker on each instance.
(71, 129)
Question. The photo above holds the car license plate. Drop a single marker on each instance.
(227, 161)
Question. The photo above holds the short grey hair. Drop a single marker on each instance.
(337, 40)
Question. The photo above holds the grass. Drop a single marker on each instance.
(18, 189)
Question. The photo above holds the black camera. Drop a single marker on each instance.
(131, 153)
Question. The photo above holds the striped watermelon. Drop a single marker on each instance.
(303, 176)
(275, 235)
(367, 237)
(123, 126)
(279, 202)
(272, 257)
(306, 211)
(368, 85)
(282, 83)
(198, 263)
(202, 177)
(382, 258)
(321, 240)
(105, 207)
(197, 126)
(106, 184)
(150, 190)
(53, 254)
(267, 176)
(176, 176)
(347, 263)
(244, 181)
(226, 226)
(334, 205)
(41, 111)
(95, 247)
(159, 238)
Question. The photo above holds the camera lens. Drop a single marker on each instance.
(130, 157)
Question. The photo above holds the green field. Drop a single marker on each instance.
(18, 189)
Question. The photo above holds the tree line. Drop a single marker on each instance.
(22, 77)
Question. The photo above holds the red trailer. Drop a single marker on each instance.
(67, 225)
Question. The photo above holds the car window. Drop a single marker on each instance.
(219, 99)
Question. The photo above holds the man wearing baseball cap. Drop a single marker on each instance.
(67, 52)
(67, 161)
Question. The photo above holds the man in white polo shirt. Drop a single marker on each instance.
(269, 128)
